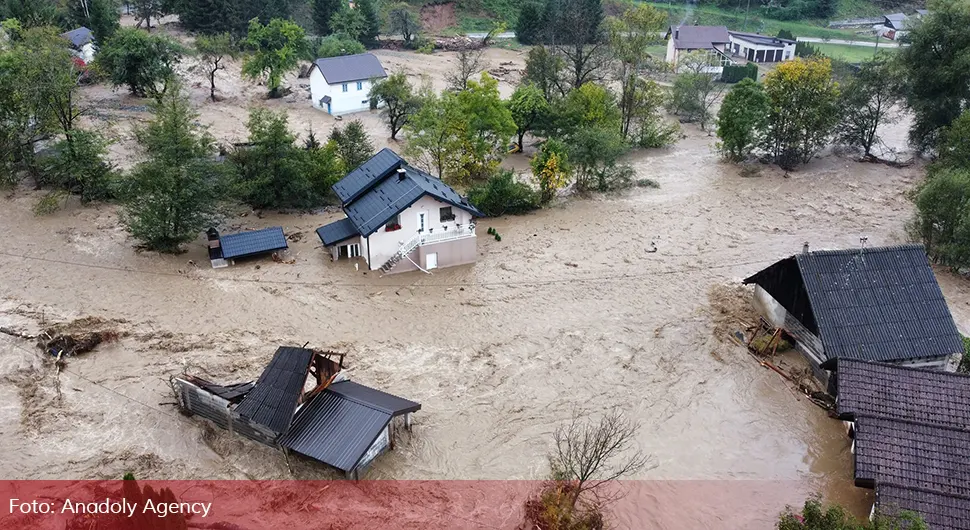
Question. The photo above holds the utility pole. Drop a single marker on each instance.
(744, 27)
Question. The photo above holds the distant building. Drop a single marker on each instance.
(761, 48)
(341, 85)
(399, 218)
(82, 43)
(714, 40)
(873, 304)
(920, 13)
(894, 26)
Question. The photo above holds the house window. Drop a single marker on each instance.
(447, 215)
(344, 87)
(393, 224)
(360, 85)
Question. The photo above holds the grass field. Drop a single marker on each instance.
(850, 54)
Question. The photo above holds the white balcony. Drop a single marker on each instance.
(457, 233)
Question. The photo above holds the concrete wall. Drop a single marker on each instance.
(450, 253)
(385, 244)
(353, 100)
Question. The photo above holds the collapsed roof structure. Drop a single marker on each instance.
(339, 422)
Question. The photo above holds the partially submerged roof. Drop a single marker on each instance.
(337, 231)
(762, 40)
(698, 37)
(938, 511)
(364, 176)
(340, 424)
(252, 243)
(874, 304)
(913, 394)
(79, 37)
(358, 67)
(274, 399)
(897, 20)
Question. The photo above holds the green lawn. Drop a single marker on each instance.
(849, 54)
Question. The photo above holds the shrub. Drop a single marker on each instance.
(735, 73)
(647, 183)
(78, 165)
(502, 194)
(654, 134)
(337, 45)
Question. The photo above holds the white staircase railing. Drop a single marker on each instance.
(405, 249)
(424, 239)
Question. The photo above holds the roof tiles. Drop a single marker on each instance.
(938, 511)
(274, 399)
(337, 231)
(253, 242)
(357, 67)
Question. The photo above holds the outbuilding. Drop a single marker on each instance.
(341, 85)
(761, 48)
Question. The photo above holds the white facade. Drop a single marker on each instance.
(718, 60)
(352, 96)
(86, 53)
(761, 53)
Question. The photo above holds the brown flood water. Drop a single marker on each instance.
(569, 312)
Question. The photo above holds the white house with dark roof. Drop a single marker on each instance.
(341, 85)
(761, 48)
(400, 218)
(82, 43)
(894, 26)
(682, 40)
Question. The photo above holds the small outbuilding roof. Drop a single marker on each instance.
(358, 67)
(337, 231)
(340, 424)
(79, 37)
(252, 243)
(913, 394)
(698, 37)
(896, 20)
(940, 512)
(762, 40)
(276, 394)
(873, 304)
(922, 12)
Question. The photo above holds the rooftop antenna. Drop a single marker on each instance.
(863, 240)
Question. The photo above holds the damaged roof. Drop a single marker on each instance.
(340, 424)
(873, 304)
(274, 399)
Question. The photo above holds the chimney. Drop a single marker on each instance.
(401, 173)
(677, 33)
(215, 245)
(805, 248)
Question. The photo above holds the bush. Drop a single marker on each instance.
(502, 194)
(942, 220)
(656, 133)
(735, 73)
(337, 45)
(553, 509)
(78, 165)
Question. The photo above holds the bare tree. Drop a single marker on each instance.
(575, 33)
(590, 454)
(469, 63)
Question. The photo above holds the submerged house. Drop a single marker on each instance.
(82, 43)
(713, 40)
(340, 85)
(304, 402)
(894, 26)
(400, 218)
(911, 438)
(870, 304)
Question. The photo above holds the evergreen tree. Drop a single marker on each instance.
(100, 16)
(323, 11)
(372, 26)
(211, 16)
(528, 29)
(353, 144)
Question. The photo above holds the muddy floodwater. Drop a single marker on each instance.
(569, 312)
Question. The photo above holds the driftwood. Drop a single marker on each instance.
(18, 334)
(873, 159)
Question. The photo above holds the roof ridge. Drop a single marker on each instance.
(923, 490)
(955, 375)
(861, 250)
(358, 401)
(917, 423)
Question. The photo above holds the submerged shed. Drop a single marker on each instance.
(223, 248)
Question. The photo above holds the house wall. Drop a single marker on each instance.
(87, 53)
(671, 51)
(385, 244)
(450, 253)
(353, 100)
(741, 48)
(806, 342)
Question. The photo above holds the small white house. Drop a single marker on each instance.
(82, 43)
(761, 48)
(711, 39)
(341, 85)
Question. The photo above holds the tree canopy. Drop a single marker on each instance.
(803, 102)
(741, 119)
(276, 49)
(396, 95)
(144, 62)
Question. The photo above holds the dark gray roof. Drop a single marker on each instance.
(763, 40)
(379, 194)
(363, 177)
(698, 37)
(339, 424)
(337, 231)
(346, 68)
(79, 37)
(272, 402)
(229, 392)
(897, 20)
(253, 242)
(940, 512)
(922, 11)
(876, 304)
(913, 455)
(926, 396)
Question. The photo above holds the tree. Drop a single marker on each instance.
(53, 76)
(213, 50)
(372, 21)
(78, 164)
(100, 16)
(528, 107)
(529, 29)
(338, 44)
(277, 49)
(432, 131)
(323, 12)
(551, 169)
(630, 37)
(484, 131)
(742, 119)
(803, 101)
(649, 129)
(402, 21)
(594, 152)
(954, 145)
(867, 102)
(145, 10)
(935, 70)
(544, 70)
(398, 99)
(353, 145)
(591, 106)
(348, 22)
(469, 63)
(174, 195)
(695, 89)
(143, 62)
(943, 216)
(786, 34)
(815, 516)
(212, 17)
(575, 33)
(33, 13)
(503, 194)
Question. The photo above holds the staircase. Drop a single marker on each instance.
(405, 249)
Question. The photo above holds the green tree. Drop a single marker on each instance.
(528, 107)
(174, 195)
(649, 128)
(803, 101)
(78, 164)
(402, 21)
(33, 13)
(954, 145)
(338, 44)
(943, 216)
(212, 17)
(324, 166)
(143, 62)
(595, 153)
(353, 145)
(742, 119)
(591, 106)
(323, 12)
(815, 516)
(503, 194)
(551, 169)
(545, 70)
(146, 10)
(24, 118)
(277, 49)
(528, 29)
(372, 21)
(396, 95)
(695, 89)
(485, 132)
(100, 16)
(432, 131)
(867, 101)
(630, 36)
(213, 50)
(348, 22)
(936, 70)
(785, 34)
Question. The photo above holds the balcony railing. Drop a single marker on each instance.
(458, 233)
